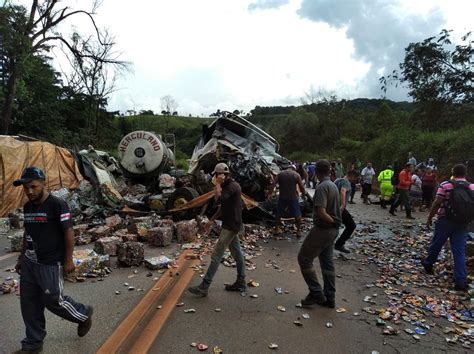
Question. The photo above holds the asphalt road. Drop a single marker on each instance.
(109, 309)
(249, 325)
(244, 324)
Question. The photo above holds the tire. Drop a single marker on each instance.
(179, 197)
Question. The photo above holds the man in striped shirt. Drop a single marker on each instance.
(48, 245)
(446, 228)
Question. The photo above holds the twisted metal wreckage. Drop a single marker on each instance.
(145, 179)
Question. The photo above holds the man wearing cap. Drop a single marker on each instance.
(48, 244)
(288, 180)
(227, 194)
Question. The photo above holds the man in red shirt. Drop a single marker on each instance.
(403, 187)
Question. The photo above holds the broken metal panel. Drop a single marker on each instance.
(249, 151)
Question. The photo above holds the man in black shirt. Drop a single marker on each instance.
(48, 244)
(228, 194)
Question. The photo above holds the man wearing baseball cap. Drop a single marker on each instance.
(48, 244)
(228, 196)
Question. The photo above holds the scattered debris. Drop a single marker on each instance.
(159, 262)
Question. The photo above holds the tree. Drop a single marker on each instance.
(168, 104)
(315, 96)
(95, 67)
(435, 71)
(25, 34)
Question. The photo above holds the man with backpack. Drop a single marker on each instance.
(454, 205)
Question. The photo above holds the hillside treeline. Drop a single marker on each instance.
(380, 131)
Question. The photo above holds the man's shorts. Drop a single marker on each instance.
(288, 208)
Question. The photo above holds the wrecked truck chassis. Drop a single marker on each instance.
(251, 154)
(253, 159)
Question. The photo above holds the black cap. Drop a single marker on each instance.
(30, 174)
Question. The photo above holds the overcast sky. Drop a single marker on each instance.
(236, 54)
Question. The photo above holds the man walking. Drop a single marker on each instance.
(452, 223)
(403, 187)
(227, 193)
(288, 181)
(48, 245)
(344, 186)
(386, 188)
(367, 176)
(320, 240)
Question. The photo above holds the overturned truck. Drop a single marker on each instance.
(251, 154)
(253, 159)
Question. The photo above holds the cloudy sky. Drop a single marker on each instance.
(236, 54)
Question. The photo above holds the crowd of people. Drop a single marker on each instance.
(334, 188)
(49, 238)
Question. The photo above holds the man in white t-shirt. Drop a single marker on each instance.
(367, 176)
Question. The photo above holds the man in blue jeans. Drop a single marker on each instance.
(228, 195)
(447, 228)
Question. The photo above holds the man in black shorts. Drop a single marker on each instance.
(48, 244)
(288, 204)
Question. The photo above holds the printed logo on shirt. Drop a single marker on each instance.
(47, 291)
(65, 217)
(36, 217)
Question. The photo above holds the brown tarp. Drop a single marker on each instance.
(58, 164)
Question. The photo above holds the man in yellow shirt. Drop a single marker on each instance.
(386, 188)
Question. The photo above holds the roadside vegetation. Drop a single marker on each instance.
(70, 109)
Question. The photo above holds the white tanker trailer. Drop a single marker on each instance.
(144, 154)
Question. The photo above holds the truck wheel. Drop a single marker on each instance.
(180, 197)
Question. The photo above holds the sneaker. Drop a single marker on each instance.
(461, 287)
(351, 202)
(341, 249)
(428, 268)
(310, 300)
(198, 290)
(239, 286)
(84, 327)
(410, 217)
(392, 212)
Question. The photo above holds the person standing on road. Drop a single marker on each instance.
(344, 186)
(367, 176)
(47, 250)
(356, 180)
(404, 183)
(411, 161)
(311, 174)
(452, 224)
(386, 188)
(303, 174)
(339, 168)
(415, 191)
(228, 194)
(288, 181)
(320, 240)
(428, 185)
